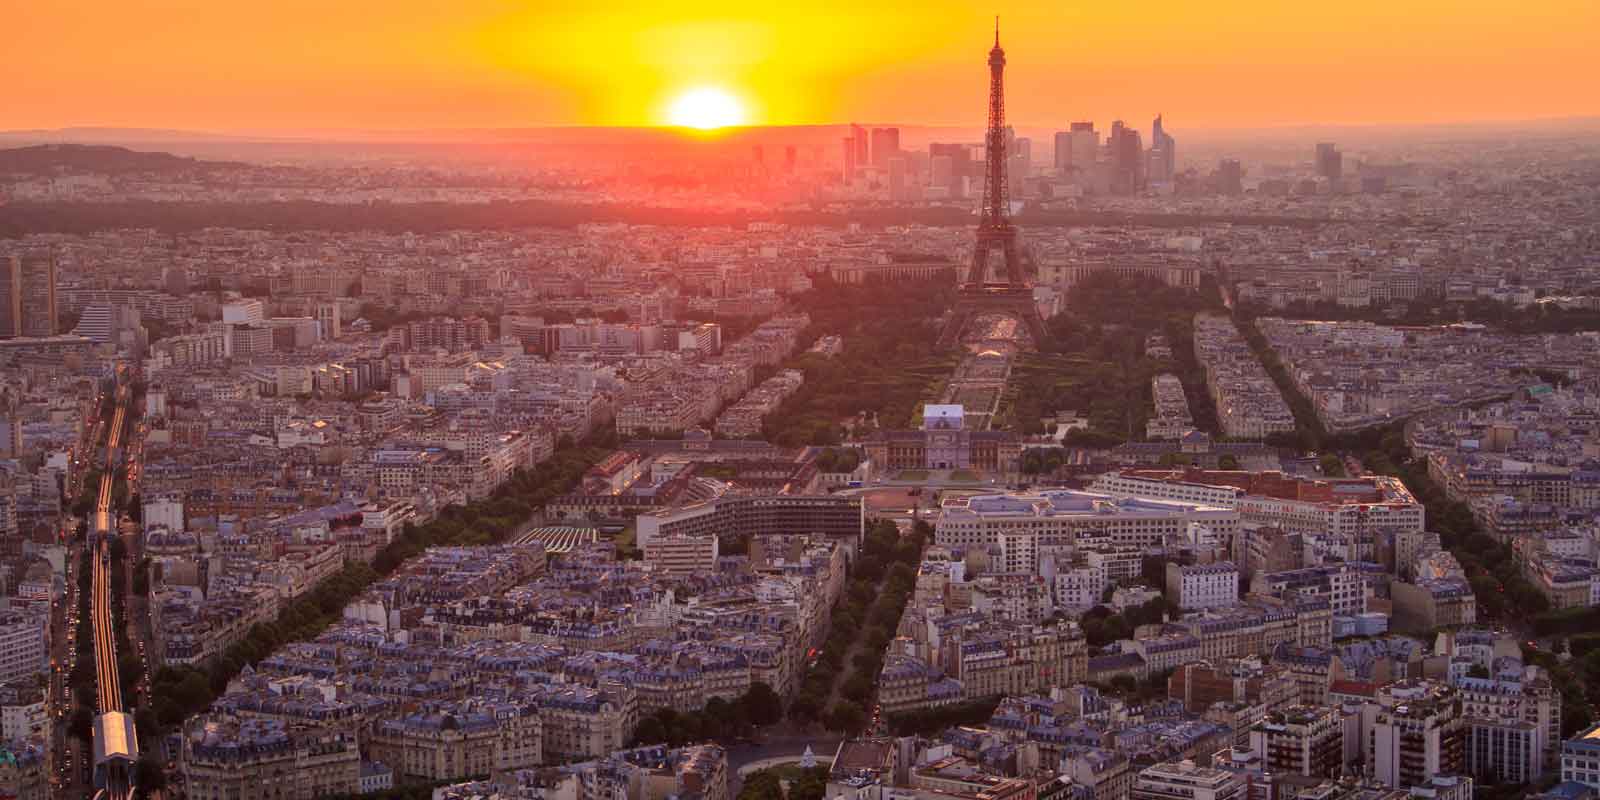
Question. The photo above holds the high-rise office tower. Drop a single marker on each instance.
(1230, 177)
(960, 157)
(1126, 152)
(11, 296)
(1017, 168)
(1163, 154)
(899, 179)
(328, 317)
(885, 146)
(1085, 146)
(1062, 157)
(1022, 146)
(1021, 161)
(941, 171)
(856, 154)
(788, 158)
(849, 144)
(28, 296)
(1330, 162)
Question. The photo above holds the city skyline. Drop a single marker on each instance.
(492, 65)
(1082, 458)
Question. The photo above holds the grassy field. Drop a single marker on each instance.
(913, 475)
(624, 540)
(966, 475)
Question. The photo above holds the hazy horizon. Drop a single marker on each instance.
(112, 134)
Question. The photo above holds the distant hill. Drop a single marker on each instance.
(46, 159)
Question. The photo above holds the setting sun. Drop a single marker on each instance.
(706, 108)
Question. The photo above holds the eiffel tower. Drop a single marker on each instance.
(1012, 295)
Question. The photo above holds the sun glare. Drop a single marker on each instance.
(706, 108)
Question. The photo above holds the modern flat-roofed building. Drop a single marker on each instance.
(1580, 757)
(832, 516)
(248, 311)
(1185, 779)
(1055, 518)
(1355, 519)
(680, 554)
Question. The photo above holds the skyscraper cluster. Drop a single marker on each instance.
(870, 148)
(1121, 165)
(878, 151)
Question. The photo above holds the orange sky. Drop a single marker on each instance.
(285, 65)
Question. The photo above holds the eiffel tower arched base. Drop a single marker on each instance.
(976, 301)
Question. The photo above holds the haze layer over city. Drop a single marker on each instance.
(872, 401)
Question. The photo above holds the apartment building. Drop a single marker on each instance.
(1198, 586)
(582, 722)
(229, 758)
(24, 643)
(1418, 733)
(456, 741)
(1303, 740)
(1433, 603)
(1514, 733)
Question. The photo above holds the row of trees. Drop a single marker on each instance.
(804, 784)
(1039, 460)
(836, 691)
(1094, 362)
(931, 721)
(179, 692)
(19, 219)
(888, 363)
(838, 459)
(1102, 626)
(81, 680)
(720, 719)
(880, 585)
(1537, 318)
